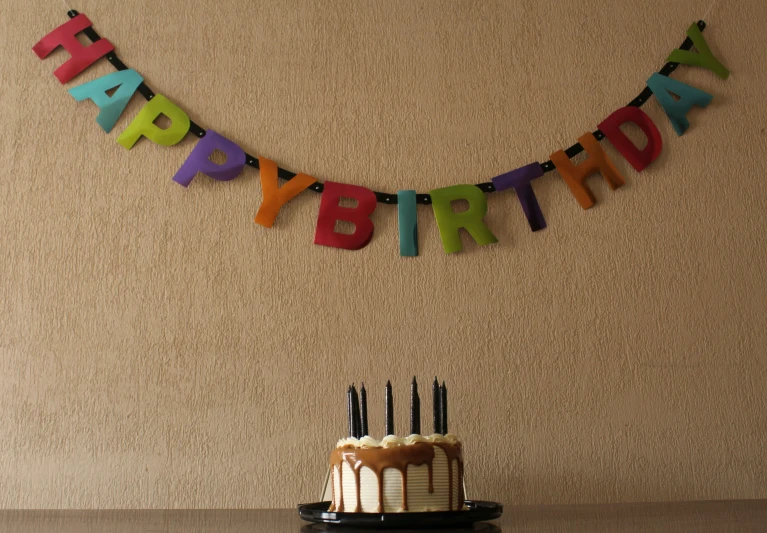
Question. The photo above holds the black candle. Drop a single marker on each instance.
(356, 414)
(415, 409)
(443, 408)
(349, 410)
(389, 410)
(364, 410)
(418, 415)
(436, 397)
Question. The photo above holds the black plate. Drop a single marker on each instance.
(477, 511)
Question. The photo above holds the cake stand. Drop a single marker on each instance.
(475, 511)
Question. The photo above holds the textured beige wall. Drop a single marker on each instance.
(159, 349)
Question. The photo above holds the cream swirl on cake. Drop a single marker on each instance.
(397, 474)
(393, 440)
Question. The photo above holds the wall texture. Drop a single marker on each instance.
(159, 349)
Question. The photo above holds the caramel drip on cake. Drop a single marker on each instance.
(397, 457)
(332, 489)
(379, 477)
(452, 453)
(404, 490)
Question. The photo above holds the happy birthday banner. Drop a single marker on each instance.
(675, 97)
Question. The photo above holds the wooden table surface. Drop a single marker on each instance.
(741, 516)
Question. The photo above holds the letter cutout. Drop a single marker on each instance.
(407, 218)
(575, 176)
(611, 127)
(330, 211)
(199, 160)
(519, 180)
(704, 58)
(449, 222)
(274, 196)
(111, 106)
(144, 125)
(82, 56)
(677, 111)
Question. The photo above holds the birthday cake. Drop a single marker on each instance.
(416, 473)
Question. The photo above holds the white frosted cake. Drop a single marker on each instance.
(396, 474)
